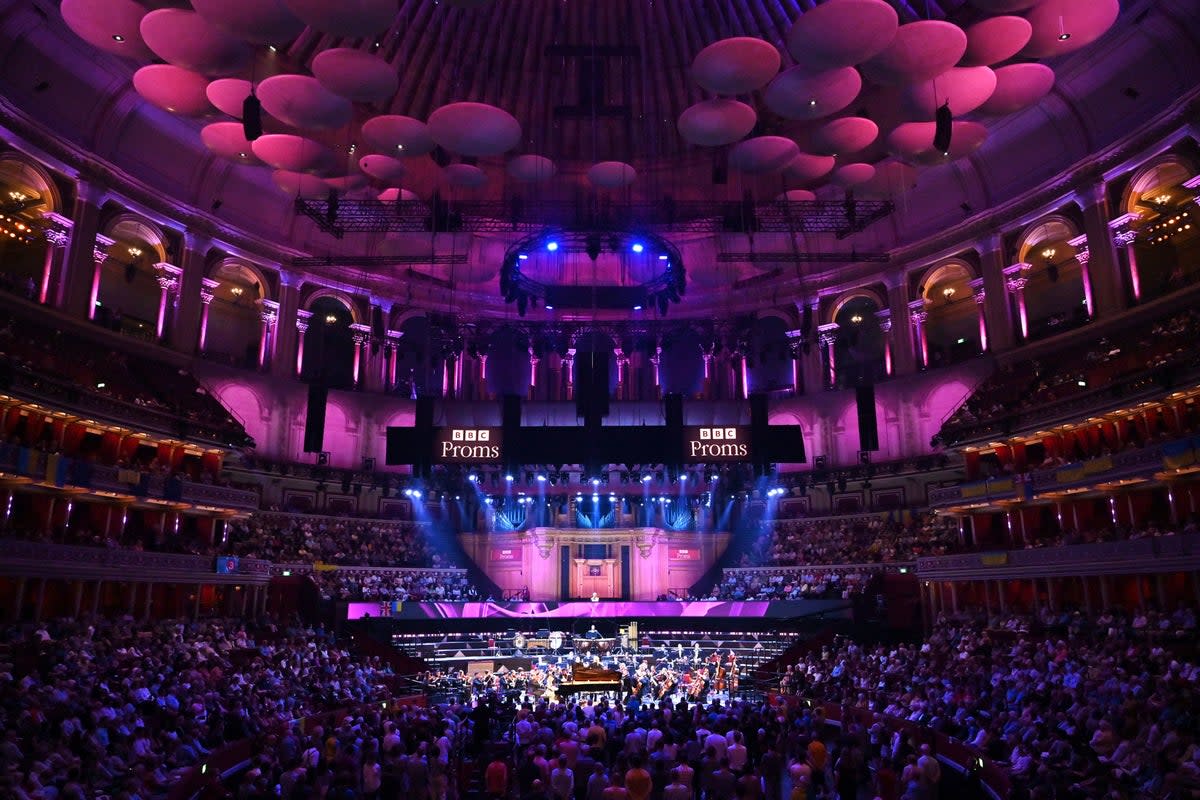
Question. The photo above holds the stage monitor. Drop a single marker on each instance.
(721, 444)
(468, 445)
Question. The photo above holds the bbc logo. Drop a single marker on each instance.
(718, 434)
(470, 435)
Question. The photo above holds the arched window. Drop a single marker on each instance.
(952, 329)
(1166, 252)
(1055, 297)
(129, 295)
(26, 193)
(328, 344)
(859, 345)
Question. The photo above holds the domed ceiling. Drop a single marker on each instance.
(618, 99)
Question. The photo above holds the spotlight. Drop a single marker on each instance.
(551, 246)
(508, 478)
(416, 494)
(1062, 37)
(683, 478)
(523, 256)
(637, 308)
(647, 478)
(637, 247)
(549, 307)
(473, 478)
(595, 481)
(662, 258)
(541, 478)
(118, 37)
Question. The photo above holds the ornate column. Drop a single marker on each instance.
(885, 327)
(167, 276)
(392, 341)
(1083, 256)
(918, 316)
(361, 335)
(996, 305)
(1016, 278)
(828, 338)
(533, 372)
(656, 363)
(622, 368)
(58, 236)
(185, 328)
(302, 318)
(99, 256)
(207, 288)
(568, 365)
(903, 360)
(76, 292)
(1124, 236)
(268, 314)
(1103, 270)
(980, 297)
(286, 329)
(483, 387)
(709, 356)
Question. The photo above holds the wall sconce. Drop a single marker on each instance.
(18, 196)
(1048, 253)
(136, 252)
(330, 319)
(948, 292)
(857, 318)
(237, 291)
(1163, 199)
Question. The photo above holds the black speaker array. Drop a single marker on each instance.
(591, 387)
(868, 428)
(673, 415)
(422, 457)
(510, 422)
(314, 418)
(760, 436)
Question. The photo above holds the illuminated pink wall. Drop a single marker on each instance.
(515, 562)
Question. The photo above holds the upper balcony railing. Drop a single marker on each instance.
(31, 559)
(1148, 555)
(63, 471)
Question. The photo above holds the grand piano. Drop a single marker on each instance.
(590, 679)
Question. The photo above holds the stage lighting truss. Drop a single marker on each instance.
(667, 285)
(338, 216)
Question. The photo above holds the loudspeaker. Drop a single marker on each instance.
(673, 415)
(759, 434)
(591, 385)
(943, 127)
(314, 418)
(251, 118)
(868, 429)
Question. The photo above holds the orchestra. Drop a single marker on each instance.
(648, 678)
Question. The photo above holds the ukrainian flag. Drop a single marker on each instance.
(1178, 454)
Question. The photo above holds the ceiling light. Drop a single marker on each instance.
(399, 147)
(118, 37)
(272, 48)
(1062, 37)
(812, 103)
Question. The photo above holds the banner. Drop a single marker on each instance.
(683, 553)
(779, 609)
(506, 554)
(467, 445)
(716, 444)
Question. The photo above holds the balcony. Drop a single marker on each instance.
(25, 559)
